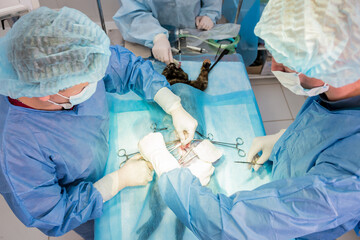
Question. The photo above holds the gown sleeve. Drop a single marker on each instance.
(212, 9)
(36, 196)
(127, 72)
(137, 23)
(324, 199)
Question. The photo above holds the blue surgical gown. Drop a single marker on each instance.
(314, 192)
(49, 160)
(140, 21)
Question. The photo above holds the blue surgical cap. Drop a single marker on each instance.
(319, 38)
(47, 51)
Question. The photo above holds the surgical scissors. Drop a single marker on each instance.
(236, 145)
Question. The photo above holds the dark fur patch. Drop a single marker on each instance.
(176, 75)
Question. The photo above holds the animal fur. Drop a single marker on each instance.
(176, 75)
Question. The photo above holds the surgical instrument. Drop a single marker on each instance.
(175, 50)
(155, 129)
(122, 151)
(209, 136)
(197, 49)
(101, 15)
(238, 11)
(236, 145)
(223, 53)
(182, 161)
(253, 161)
(250, 163)
(181, 42)
(239, 142)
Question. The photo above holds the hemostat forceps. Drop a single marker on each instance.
(252, 162)
(154, 128)
(122, 153)
(169, 145)
(236, 145)
(183, 161)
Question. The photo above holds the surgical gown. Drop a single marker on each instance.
(140, 21)
(314, 192)
(50, 159)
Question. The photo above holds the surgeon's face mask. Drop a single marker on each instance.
(84, 95)
(292, 82)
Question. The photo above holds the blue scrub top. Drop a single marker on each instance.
(140, 21)
(314, 192)
(50, 159)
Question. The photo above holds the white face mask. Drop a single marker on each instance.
(292, 82)
(84, 95)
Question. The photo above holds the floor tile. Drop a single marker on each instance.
(69, 236)
(49, 3)
(116, 37)
(89, 7)
(351, 235)
(294, 101)
(12, 229)
(109, 8)
(4, 31)
(272, 103)
(272, 127)
(263, 81)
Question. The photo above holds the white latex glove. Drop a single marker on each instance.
(135, 172)
(162, 49)
(153, 149)
(185, 125)
(202, 167)
(264, 144)
(204, 23)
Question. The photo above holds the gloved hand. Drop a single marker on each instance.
(135, 172)
(204, 23)
(202, 167)
(185, 125)
(264, 144)
(152, 147)
(162, 49)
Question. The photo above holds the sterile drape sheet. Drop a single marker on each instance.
(227, 110)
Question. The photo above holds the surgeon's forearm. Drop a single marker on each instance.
(180, 190)
(138, 75)
(110, 185)
(282, 209)
(167, 100)
(137, 24)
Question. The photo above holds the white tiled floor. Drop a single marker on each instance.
(278, 108)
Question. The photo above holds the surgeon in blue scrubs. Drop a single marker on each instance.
(143, 21)
(315, 187)
(55, 69)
